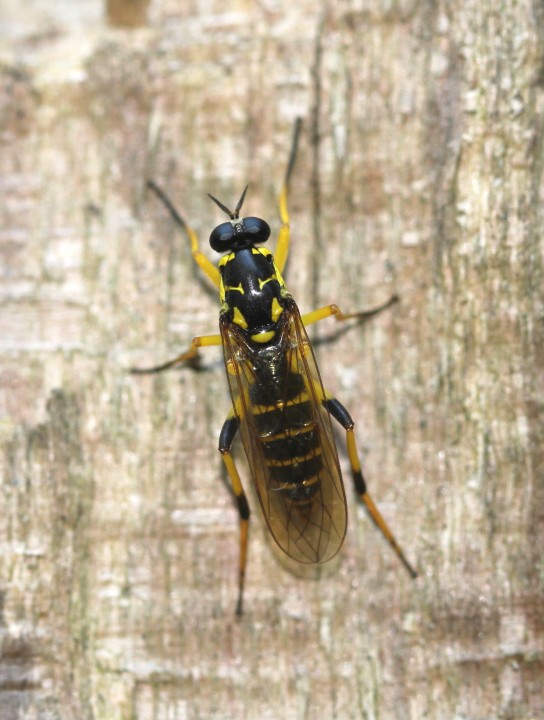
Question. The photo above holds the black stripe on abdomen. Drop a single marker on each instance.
(291, 444)
(272, 422)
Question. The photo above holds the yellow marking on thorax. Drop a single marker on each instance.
(239, 319)
(262, 283)
(225, 259)
(263, 337)
(275, 310)
(279, 278)
(276, 274)
(222, 262)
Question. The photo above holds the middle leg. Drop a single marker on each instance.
(188, 356)
(339, 316)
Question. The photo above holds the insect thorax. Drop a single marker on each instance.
(252, 291)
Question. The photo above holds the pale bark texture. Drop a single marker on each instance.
(420, 173)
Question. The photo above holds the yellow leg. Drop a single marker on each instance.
(282, 246)
(328, 310)
(207, 267)
(360, 486)
(226, 438)
(188, 356)
(339, 412)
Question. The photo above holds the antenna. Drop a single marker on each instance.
(233, 215)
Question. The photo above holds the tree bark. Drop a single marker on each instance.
(419, 173)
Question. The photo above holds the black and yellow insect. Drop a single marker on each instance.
(279, 405)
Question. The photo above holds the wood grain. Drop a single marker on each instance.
(420, 172)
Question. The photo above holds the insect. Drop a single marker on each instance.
(279, 405)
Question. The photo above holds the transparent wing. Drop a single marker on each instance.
(287, 436)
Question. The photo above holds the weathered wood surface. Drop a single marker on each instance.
(419, 172)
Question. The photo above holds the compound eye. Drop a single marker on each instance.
(257, 230)
(222, 237)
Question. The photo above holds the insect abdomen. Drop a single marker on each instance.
(289, 436)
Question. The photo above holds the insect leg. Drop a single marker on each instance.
(328, 310)
(207, 267)
(188, 356)
(282, 246)
(228, 432)
(339, 413)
